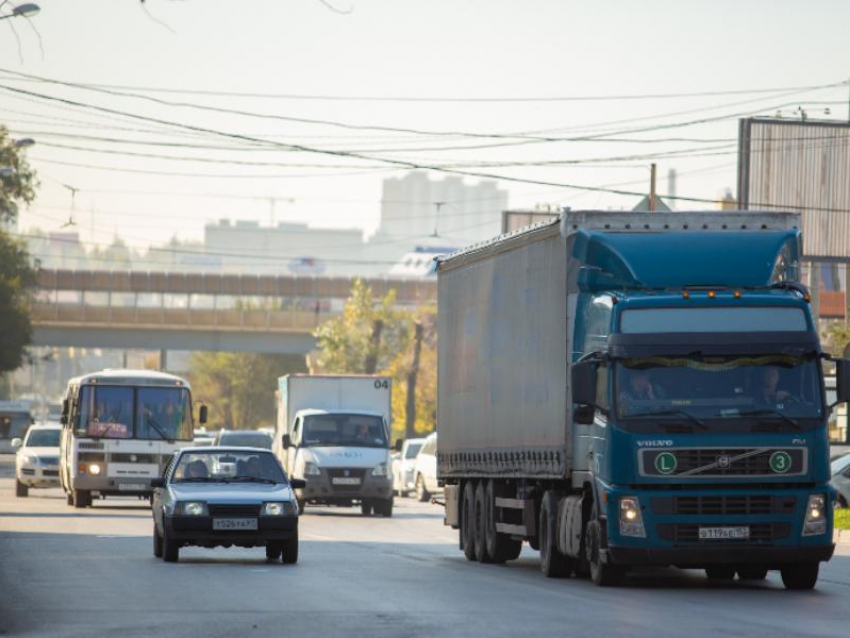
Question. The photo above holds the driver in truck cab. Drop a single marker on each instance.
(769, 392)
(641, 388)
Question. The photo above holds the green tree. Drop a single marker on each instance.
(17, 276)
(839, 334)
(239, 387)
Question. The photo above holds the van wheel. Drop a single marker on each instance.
(21, 489)
(157, 543)
(365, 508)
(170, 548)
(422, 493)
(553, 563)
(467, 518)
(800, 575)
(385, 508)
(290, 550)
(500, 547)
(602, 574)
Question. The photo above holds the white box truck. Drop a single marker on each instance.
(333, 432)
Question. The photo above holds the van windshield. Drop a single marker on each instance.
(359, 430)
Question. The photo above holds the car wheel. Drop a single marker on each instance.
(422, 493)
(800, 575)
(720, 572)
(752, 572)
(21, 489)
(467, 520)
(157, 543)
(366, 508)
(273, 551)
(290, 550)
(170, 548)
(302, 505)
(553, 563)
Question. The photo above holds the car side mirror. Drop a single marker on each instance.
(842, 380)
(202, 414)
(17, 442)
(157, 482)
(286, 441)
(297, 484)
(399, 443)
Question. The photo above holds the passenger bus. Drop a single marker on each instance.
(15, 420)
(120, 427)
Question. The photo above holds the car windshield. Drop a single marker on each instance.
(718, 392)
(246, 439)
(344, 429)
(412, 450)
(43, 438)
(228, 466)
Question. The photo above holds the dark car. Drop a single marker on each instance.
(243, 438)
(223, 497)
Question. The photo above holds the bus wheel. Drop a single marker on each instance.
(69, 498)
(82, 499)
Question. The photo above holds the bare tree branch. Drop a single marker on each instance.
(336, 9)
(155, 19)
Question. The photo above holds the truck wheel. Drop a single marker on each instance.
(467, 516)
(422, 493)
(170, 548)
(366, 508)
(157, 543)
(500, 547)
(82, 499)
(602, 574)
(553, 563)
(720, 572)
(21, 489)
(480, 524)
(752, 572)
(800, 575)
(273, 551)
(290, 550)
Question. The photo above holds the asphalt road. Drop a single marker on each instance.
(66, 572)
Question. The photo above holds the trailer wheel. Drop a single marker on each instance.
(553, 563)
(467, 516)
(800, 575)
(480, 524)
(500, 547)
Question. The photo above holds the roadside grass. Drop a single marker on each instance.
(842, 518)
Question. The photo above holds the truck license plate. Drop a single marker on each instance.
(724, 533)
(234, 523)
(346, 480)
(133, 487)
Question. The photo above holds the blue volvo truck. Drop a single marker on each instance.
(637, 389)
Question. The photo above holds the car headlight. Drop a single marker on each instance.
(28, 459)
(94, 469)
(286, 508)
(815, 522)
(631, 519)
(193, 508)
(380, 470)
(311, 469)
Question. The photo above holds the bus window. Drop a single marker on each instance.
(106, 411)
(164, 413)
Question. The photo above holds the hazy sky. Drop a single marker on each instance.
(448, 49)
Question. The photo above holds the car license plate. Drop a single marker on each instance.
(234, 523)
(133, 487)
(724, 533)
(346, 480)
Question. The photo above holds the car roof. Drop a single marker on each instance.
(314, 411)
(45, 426)
(218, 449)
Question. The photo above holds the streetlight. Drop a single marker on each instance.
(24, 142)
(27, 10)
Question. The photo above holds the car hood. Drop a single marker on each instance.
(346, 456)
(231, 493)
(39, 451)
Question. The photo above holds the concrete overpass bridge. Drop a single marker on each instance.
(191, 311)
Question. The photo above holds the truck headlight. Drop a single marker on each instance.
(631, 519)
(287, 508)
(815, 522)
(193, 508)
(381, 470)
(311, 469)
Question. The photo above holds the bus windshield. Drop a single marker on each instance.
(119, 412)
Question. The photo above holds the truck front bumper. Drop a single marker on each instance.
(705, 556)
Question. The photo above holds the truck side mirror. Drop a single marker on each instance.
(202, 414)
(64, 418)
(842, 380)
(583, 414)
(583, 377)
(287, 441)
(399, 443)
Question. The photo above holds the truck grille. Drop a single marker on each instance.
(724, 505)
(233, 511)
(688, 534)
(714, 462)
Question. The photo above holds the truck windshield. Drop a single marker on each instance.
(720, 393)
(358, 430)
(160, 413)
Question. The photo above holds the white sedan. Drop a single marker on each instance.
(37, 459)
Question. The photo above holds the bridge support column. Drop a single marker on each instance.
(163, 359)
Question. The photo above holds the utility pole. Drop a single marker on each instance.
(439, 205)
(652, 171)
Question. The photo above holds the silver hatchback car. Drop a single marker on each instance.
(840, 469)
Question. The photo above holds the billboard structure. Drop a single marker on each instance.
(800, 165)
